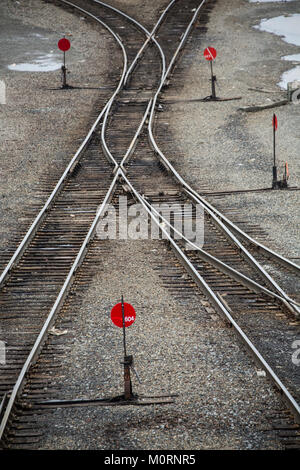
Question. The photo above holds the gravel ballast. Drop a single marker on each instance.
(41, 129)
(223, 148)
(180, 345)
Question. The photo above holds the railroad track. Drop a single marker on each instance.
(235, 283)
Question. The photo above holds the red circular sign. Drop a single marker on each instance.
(210, 53)
(64, 44)
(117, 318)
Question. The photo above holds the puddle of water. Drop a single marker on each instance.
(46, 63)
(288, 28)
(26, 48)
(289, 76)
(292, 57)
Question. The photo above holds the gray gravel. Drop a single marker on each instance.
(225, 149)
(147, 13)
(179, 346)
(38, 132)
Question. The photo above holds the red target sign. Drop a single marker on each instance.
(116, 315)
(210, 53)
(64, 44)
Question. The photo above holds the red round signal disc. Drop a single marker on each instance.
(117, 318)
(64, 44)
(210, 53)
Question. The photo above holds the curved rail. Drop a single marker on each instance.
(150, 37)
(207, 207)
(220, 307)
(164, 78)
(81, 254)
(69, 169)
(244, 236)
(57, 305)
(220, 265)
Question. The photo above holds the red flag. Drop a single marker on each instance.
(274, 122)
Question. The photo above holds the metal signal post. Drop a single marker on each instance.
(274, 182)
(122, 315)
(64, 45)
(128, 361)
(277, 183)
(213, 80)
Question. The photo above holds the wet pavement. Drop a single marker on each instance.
(27, 48)
(288, 28)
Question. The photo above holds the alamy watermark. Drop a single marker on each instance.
(2, 92)
(2, 353)
(134, 222)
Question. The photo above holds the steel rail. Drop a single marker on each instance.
(30, 234)
(244, 236)
(219, 305)
(80, 256)
(294, 309)
(291, 305)
(133, 65)
(221, 308)
(149, 34)
(279, 258)
(164, 78)
(68, 282)
(57, 305)
(270, 253)
(70, 167)
(78, 261)
(283, 297)
(193, 195)
(63, 292)
(150, 37)
(223, 267)
(129, 70)
(132, 145)
(105, 148)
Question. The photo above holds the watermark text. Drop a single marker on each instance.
(163, 220)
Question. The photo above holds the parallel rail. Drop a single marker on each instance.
(69, 169)
(220, 306)
(120, 172)
(41, 216)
